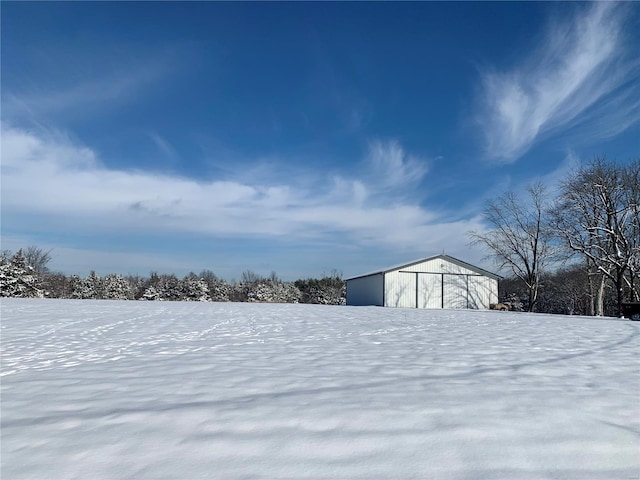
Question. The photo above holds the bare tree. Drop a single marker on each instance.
(5, 256)
(518, 238)
(596, 216)
(631, 179)
(37, 259)
(250, 277)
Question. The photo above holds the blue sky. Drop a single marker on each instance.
(297, 137)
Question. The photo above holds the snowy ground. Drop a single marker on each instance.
(135, 390)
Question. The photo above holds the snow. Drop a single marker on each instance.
(169, 390)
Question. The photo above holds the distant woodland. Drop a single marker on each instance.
(25, 274)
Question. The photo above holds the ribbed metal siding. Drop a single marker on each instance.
(455, 291)
(438, 265)
(429, 290)
(400, 289)
(483, 291)
(365, 290)
(440, 284)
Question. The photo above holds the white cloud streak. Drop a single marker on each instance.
(89, 85)
(579, 75)
(163, 145)
(62, 187)
(393, 167)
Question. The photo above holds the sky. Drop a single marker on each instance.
(297, 137)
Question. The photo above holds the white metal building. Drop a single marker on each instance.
(436, 282)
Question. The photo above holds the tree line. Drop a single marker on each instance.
(25, 274)
(576, 252)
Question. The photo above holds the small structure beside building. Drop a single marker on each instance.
(435, 282)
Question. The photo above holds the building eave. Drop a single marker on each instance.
(443, 256)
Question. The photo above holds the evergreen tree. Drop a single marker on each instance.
(57, 285)
(169, 287)
(92, 286)
(116, 287)
(195, 289)
(151, 293)
(329, 290)
(17, 279)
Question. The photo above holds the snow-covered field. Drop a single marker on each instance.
(135, 390)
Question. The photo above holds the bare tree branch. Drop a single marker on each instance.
(518, 237)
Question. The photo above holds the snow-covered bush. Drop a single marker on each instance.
(285, 292)
(87, 288)
(219, 290)
(169, 288)
(116, 287)
(92, 286)
(160, 287)
(515, 303)
(272, 292)
(325, 291)
(194, 289)
(254, 288)
(56, 285)
(75, 286)
(151, 294)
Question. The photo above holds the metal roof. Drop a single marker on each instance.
(443, 256)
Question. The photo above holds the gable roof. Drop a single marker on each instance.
(443, 256)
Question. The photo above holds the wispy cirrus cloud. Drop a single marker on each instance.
(163, 145)
(60, 186)
(582, 73)
(90, 83)
(393, 167)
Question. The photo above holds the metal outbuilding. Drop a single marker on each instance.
(435, 282)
